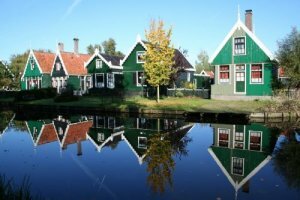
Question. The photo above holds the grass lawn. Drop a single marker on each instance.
(189, 104)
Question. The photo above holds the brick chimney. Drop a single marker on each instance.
(248, 19)
(76, 41)
(61, 46)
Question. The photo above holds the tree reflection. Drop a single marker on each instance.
(160, 163)
(287, 158)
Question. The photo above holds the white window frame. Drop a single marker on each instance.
(223, 71)
(188, 77)
(233, 46)
(57, 66)
(239, 142)
(100, 137)
(262, 74)
(260, 142)
(142, 146)
(111, 122)
(227, 132)
(110, 85)
(243, 161)
(90, 81)
(99, 63)
(31, 63)
(137, 78)
(96, 82)
(140, 53)
(97, 122)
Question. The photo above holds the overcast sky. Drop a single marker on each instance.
(197, 24)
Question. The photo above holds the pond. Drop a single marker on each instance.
(122, 157)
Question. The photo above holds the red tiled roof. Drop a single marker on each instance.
(48, 135)
(77, 132)
(45, 60)
(74, 63)
(281, 72)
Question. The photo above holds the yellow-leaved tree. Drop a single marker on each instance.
(159, 57)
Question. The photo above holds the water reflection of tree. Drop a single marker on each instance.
(160, 161)
(287, 161)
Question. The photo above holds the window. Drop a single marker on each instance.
(31, 64)
(57, 66)
(34, 131)
(98, 63)
(110, 80)
(111, 122)
(239, 46)
(54, 83)
(100, 122)
(60, 131)
(99, 80)
(188, 77)
(255, 140)
(139, 56)
(89, 82)
(224, 73)
(139, 78)
(100, 137)
(256, 73)
(239, 140)
(142, 142)
(223, 137)
(237, 166)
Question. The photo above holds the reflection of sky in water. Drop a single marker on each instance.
(115, 173)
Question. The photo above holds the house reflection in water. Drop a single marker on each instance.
(108, 131)
(240, 151)
(65, 131)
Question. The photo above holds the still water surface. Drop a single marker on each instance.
(114, 157)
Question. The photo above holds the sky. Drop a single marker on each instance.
(197, 24)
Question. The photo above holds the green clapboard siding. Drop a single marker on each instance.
(92, 67)
(32, 72)
(23, 85)
(74, 82)
(46, 81)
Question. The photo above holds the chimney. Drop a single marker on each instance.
(61, 46)
(248, 19)
(76, 40)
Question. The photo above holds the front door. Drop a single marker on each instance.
(240, 79)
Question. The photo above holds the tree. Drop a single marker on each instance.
(109, 47)
(288, 55)
(17, 65)
(91, 48)
(202, 63)
(159, 56)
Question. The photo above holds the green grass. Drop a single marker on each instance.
(188, 104)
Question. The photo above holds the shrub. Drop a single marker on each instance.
(66, 96)
(28, 95)
(179, 94)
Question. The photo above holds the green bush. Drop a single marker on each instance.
(66, 96)
(179, 94)
(28, 95)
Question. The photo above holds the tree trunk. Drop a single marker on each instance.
(157, 94)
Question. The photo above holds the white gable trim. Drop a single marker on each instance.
(138, 41)
(62, 63)
(31, 53)
(239, 24)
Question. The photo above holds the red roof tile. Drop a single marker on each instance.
(74, 63)
(48, 135)
(77, 132)
(45, 60)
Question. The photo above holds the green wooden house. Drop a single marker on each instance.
(243, 65)
(240, 151)
(105, 71)
(68, 70)
(133, 71)
(106, 131)
(37, 70)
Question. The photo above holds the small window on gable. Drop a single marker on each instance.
(142, 142)
(256, 73)
(57, 66)
(237, 166)
(139, 56)
(98, 63)
(100, 137)
(32, 63)
(224, 74)
(239, 46)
